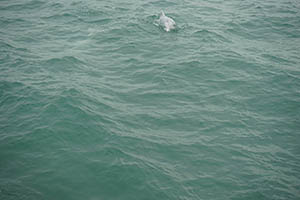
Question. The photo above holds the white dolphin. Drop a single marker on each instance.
(166, 22)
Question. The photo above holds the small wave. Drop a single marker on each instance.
(63, 64)
(160, 4)
(276, 59)
(15, 189)
(101, 21)
(29, 5)
(210, 36)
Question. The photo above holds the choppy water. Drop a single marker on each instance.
(97, 102)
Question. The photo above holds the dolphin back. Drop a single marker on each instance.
(166, 22)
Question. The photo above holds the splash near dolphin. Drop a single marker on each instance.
(166, 22)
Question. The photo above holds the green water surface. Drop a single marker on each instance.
(97, 102)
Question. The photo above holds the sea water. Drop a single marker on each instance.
(97, 102)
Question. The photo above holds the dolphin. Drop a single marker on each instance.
(166, 22)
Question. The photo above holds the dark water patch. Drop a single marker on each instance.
(106, 39)
(14, 23)
(66, 64)
(128, 49)
(56, 5)
(209, 36)
(121, 31)
(9, 94)
(99, 21)
(17, 190)
(6, 47)
(144, 26)
(29, 5)
(209, 9)
(122, 9)
(59, 17)
(237, 30)
(278, 60)
(160, 4)
(14, 51)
